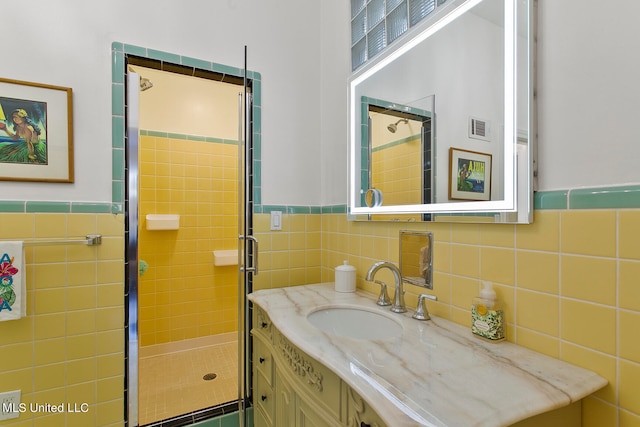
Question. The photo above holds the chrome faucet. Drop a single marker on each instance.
(398, 305)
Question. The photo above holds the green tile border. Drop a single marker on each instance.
(187, 137)
(623, 197)
(605, 198)
(550, 200)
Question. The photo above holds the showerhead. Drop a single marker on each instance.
(145, 84)
(393, 127)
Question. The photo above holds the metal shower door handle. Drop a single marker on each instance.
(254, 268)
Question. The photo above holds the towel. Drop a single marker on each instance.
(13, 284)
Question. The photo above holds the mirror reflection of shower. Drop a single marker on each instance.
(393, 127)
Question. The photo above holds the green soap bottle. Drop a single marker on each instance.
(487, 316)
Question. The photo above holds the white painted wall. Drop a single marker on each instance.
(68, 43)
(589, 93)
(588, 85)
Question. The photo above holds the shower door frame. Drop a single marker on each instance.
(245, 79)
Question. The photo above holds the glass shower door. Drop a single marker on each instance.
(247, 244)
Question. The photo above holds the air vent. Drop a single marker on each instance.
(479, 129)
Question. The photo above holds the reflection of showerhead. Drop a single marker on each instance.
(393, 127)
(145, 84)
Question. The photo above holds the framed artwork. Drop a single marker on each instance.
(36, 132)
(469, 175)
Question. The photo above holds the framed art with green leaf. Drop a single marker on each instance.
(36, 132)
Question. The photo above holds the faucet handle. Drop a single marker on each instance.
(383, 298)
(421, 312)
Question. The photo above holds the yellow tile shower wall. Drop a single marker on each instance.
(569, 281)
(182, 294)
(69, 349)
(396, 172)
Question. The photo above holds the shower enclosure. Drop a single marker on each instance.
(186, 315)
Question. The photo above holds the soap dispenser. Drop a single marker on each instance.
(487, 316)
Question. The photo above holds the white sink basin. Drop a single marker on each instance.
(355, 323)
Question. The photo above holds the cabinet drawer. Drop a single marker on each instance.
(263, 396)
(262, 359)
(261, 323)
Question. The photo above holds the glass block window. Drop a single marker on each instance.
(377, 23)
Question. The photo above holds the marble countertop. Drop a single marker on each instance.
(437, 373)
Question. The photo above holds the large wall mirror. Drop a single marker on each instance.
(442, 125)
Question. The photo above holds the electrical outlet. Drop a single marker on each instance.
(9, 405)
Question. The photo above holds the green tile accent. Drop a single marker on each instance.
(118, 64)
(197, 63)
(117, 132)
(270, 208)
(135, 50)
(117, 208)
(12, 206)
(117, 164)
(117, 191)
(257, 146)
(225, 69)
(177, 136)
(158, 134)
(229, 420)
(211, 422)
(48, 207)
(605, 198)
(298, 209)
(394, 143)
(117, 99)
(90, 207)
(197, 138)
(257, 119)
(163, 56)
(550, 199)
(257, 92)
(257, 173)
(117, 46)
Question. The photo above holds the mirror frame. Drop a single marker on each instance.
(516, 207)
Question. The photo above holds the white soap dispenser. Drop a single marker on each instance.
(345, 278)
(487, 316)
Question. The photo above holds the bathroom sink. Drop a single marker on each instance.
(355, 323)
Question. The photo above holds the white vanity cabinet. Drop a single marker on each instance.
(290, 388)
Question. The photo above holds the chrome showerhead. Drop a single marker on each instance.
(393, 127)
(145, 84)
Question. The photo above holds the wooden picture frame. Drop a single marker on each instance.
(36, 132)
(469, 175)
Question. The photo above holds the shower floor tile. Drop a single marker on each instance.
(172, 384)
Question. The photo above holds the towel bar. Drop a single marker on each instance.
(89, 240)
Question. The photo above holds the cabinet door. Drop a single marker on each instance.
(285, 401)
(259, 419)
(308, 417)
